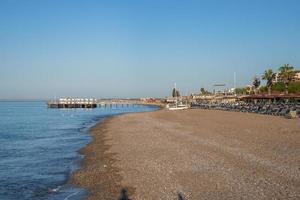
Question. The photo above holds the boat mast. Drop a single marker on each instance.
(175, 95)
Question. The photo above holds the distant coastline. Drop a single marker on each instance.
(23, 100)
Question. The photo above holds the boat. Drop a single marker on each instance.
(177, 106)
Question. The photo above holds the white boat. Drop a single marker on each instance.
(177, 106)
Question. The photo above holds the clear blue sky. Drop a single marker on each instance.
(140, 48)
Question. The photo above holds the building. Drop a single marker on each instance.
(296, 78)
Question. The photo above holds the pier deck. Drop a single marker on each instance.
(73, 103)
(94, 103)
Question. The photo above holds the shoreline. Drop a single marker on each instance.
(251, 148)
(109, 182)
(98, 166)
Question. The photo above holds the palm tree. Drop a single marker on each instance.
(269, 76)
(256, 84)
(286, 74)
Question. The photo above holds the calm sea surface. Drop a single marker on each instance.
(39, 148)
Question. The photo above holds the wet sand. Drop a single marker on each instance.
(205, 154)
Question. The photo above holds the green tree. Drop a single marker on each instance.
(240, 91)
(294, 87)
(286, 74)
(175, 93)
(278, 87)
(263, 89)
(269, 76)
(202, 90)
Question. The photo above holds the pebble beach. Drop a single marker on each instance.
(200, 154)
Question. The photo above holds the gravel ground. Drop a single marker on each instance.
(204, 154)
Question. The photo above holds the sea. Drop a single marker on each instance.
(39, 147)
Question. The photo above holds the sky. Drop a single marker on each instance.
(140, 48)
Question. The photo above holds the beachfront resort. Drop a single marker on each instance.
(280, 96)
(192, 149)
(149, 100)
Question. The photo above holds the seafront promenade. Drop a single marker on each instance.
(203, 154)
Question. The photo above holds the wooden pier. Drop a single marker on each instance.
(73, 103)
(117, 103)
(94, 103)
(127, 103)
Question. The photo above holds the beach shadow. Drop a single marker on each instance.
(180, 196)
(123, 195)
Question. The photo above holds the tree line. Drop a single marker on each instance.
(285, 83)
(286, 74)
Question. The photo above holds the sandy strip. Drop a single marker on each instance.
(205, 154)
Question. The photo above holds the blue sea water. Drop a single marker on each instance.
(39, 148)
